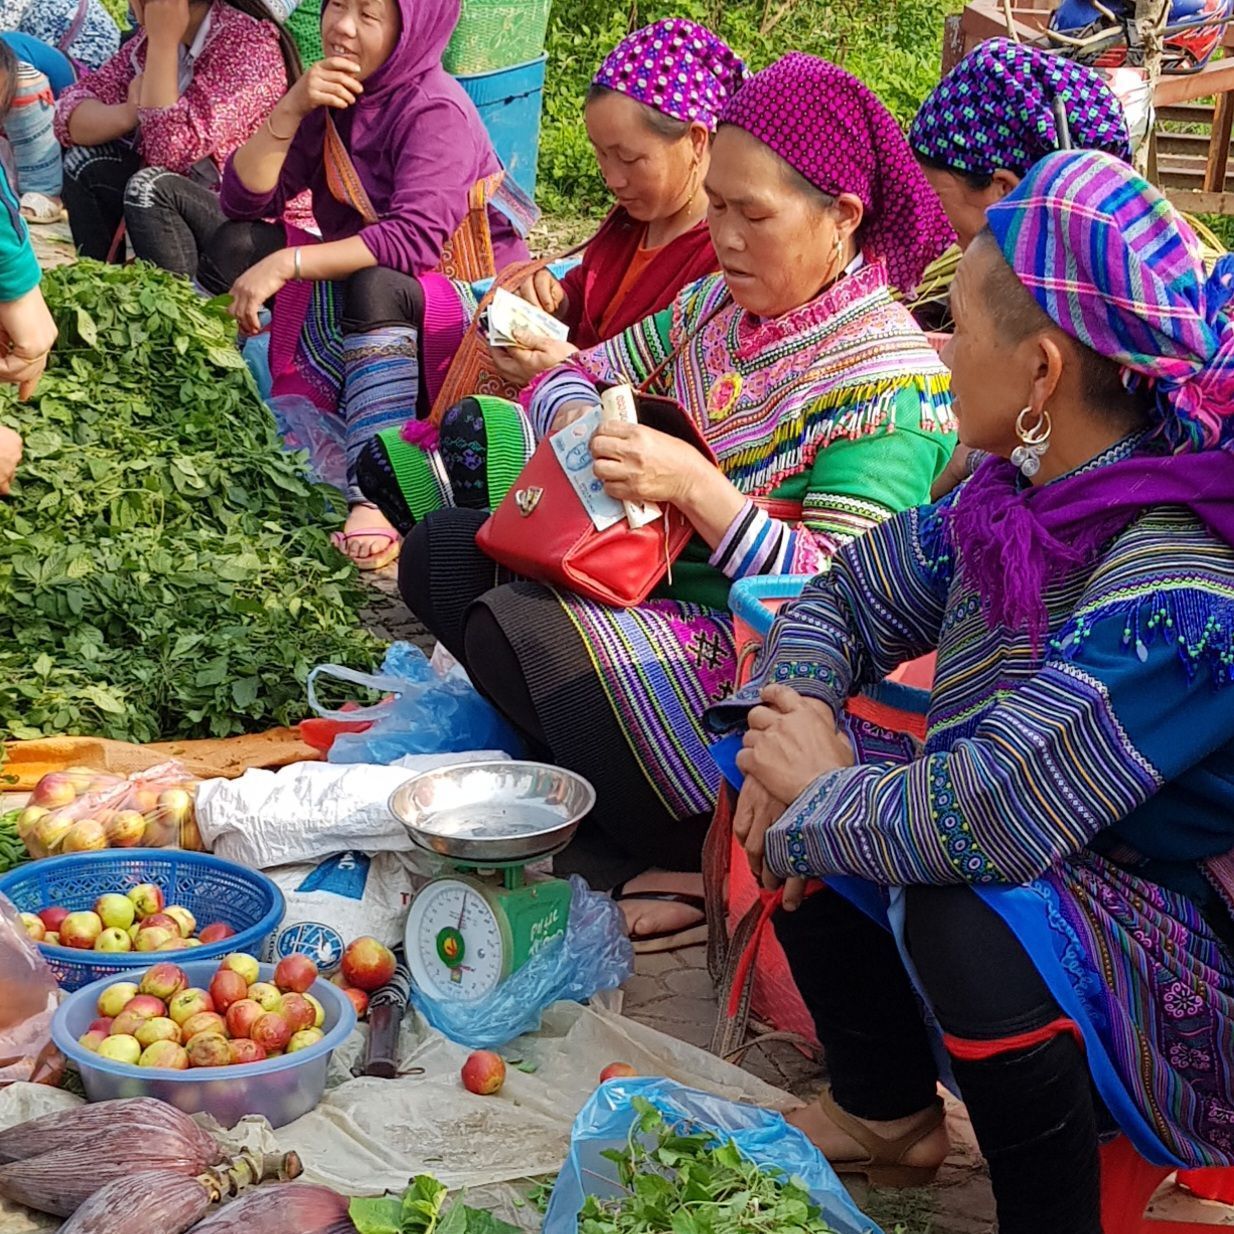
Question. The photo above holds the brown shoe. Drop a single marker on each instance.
(883, 1165)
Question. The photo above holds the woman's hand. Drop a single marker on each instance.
(328, 83)
(791, 741)
(536, 354)
(10, 456)
(544, 291)
(642, 464)
(257, 285)
(27, 333)
(165, 22)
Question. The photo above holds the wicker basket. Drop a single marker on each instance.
(494, 34)
(304, 26)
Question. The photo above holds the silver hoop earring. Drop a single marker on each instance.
(1034, 441)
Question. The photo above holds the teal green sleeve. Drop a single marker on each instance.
(858, 482)
(19, 268)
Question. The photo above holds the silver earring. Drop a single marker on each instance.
(1034, 441)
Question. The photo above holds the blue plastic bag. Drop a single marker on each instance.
(762, 1136)
(432, 714)
(304, 426)
(594, 955)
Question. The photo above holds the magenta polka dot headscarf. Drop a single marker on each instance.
(831, 129)
(678, 68)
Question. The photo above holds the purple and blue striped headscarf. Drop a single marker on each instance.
(995, 110)
(1114, 265)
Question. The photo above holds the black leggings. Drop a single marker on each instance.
(375, 297)
(1033, 1109)
(441, 575)
(95, 180)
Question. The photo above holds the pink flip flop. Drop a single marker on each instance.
(375, 561)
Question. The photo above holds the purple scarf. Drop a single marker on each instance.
(1012, 543)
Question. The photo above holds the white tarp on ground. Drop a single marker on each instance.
(369, 1136)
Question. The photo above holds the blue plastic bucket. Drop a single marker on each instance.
(509, 102)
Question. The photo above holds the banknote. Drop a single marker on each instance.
(510, 315)
(572, 446)
(617, 403)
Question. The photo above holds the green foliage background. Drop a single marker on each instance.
(892, 45)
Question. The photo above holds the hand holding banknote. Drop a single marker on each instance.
(531, 355)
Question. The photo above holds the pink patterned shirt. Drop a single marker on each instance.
(238, 77)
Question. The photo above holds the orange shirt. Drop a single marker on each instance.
(634, 271)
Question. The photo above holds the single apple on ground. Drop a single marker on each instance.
(484, 1073)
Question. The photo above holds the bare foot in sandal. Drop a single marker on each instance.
(367, 538)
(905, 1152)
(664, 911)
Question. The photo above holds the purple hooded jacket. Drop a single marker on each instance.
(418, 144)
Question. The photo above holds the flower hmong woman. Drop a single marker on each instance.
(827, 411)
(999, 111)
(1063, 848)
(651, 113)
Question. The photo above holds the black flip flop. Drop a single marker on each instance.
(666, 940)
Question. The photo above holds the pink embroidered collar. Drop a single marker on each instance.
(756, 335)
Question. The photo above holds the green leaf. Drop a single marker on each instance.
(422, 1204)
(87, 329)
(379, 1215)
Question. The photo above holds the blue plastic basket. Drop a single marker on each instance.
(210, 888)
(508, 101)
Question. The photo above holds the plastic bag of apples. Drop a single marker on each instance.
(29, 997)
(80, 810)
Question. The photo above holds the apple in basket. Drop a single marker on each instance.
(80, 930)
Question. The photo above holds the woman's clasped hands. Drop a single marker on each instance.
(790, 741)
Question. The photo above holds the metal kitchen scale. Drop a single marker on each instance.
(468, 931)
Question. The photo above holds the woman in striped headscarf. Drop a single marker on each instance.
(1059, 860)
(1003, 107)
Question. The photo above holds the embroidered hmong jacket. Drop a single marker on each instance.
(831, 418)
(1116, 736)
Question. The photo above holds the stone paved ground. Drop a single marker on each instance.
(673, 992)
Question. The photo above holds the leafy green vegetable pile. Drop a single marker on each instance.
(421, 1209)
(165, 569)
(694, 1184)
(12, 850)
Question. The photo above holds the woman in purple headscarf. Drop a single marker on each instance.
(651, 113)
(1058, 863)
(391, 149)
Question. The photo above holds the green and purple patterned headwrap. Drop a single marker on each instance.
(1115, 266)
(995, 110)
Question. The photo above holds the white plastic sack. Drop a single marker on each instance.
(341, 898)
(307, 811)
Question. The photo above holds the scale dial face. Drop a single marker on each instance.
(458, 943)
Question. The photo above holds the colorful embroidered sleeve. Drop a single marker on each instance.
(236, 83)
(631, 356)
(108, 84)
(881, 603)
(1076, 750)
(855, 484)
